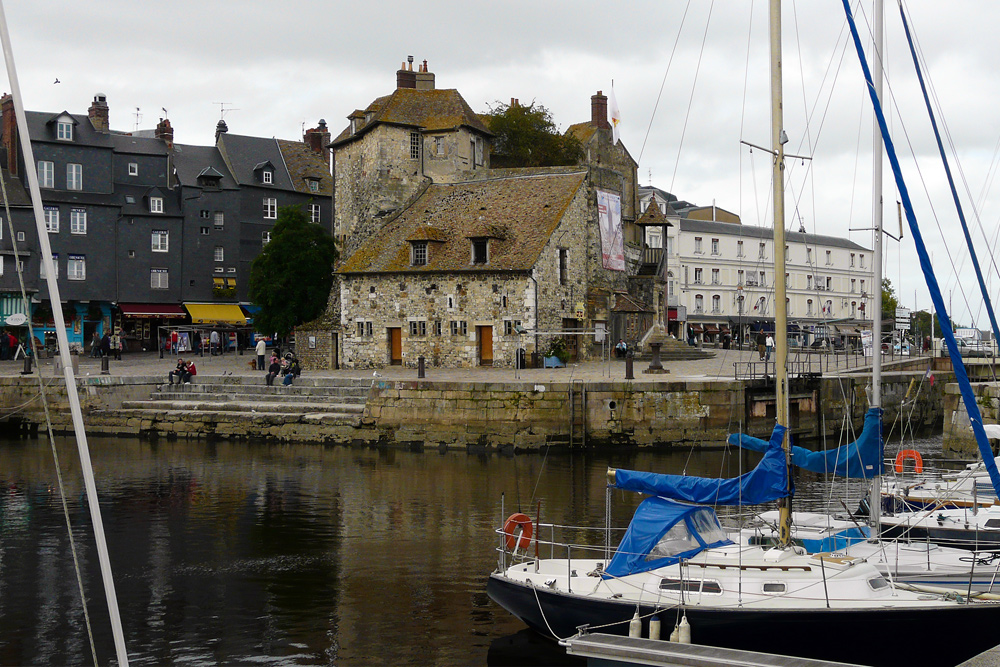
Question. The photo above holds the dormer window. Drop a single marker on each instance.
(418, 253)
(156, 204)
(480, 251)
(263, 172)
(267, 177)
(312, 183)
(64, 131)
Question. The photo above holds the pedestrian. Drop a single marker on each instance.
(116, 344)
(261, 351)
(174, 337)
(106, 345)
(769, 345)
(4, 346)
(214, 342)
(95, 345)
(761, 344)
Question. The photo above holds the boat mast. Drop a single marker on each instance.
(875, 500)
(778, 140)
(60, 325)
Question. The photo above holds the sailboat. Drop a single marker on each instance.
(676, 563)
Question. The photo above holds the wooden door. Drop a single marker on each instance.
(395, 346)
(485, 337)
(572, 340)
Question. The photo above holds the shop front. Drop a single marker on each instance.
(140, 322)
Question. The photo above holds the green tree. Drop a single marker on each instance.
(889, 300)
(526, 136)
(291, 278)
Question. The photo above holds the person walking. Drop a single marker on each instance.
(214, 342)
(95, 345)
(116, 344)
(106, 345)
(761, 344)
(769, 345)
(261, 351)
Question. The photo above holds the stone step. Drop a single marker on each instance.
(204, 406)
(257, 397)
(235, 416)
(258, 380)
(286, 390)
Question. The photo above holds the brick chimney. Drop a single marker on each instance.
(165, 132)
(406, 78)
(98, 113)
(9, 132)
(425, 79)
(599, 111)
(318, 137)
(220, 129)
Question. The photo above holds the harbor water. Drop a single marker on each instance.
(234, 553)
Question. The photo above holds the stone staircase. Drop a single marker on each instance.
(240, 406)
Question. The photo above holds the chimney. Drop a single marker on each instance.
(98, 113)
(318, 137)
(425, 79)
(9, 132)
(220, 129)
(406, 78)
(599, 111)
(165, 132)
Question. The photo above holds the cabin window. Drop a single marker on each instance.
(877, 583)
(677, 540)
(773, 588)
(706, 586)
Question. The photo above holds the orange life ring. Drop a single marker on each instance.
(904, 455)
(512, 523)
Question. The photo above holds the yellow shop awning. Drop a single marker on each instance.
(216, 313)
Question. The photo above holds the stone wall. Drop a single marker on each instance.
(456, 161)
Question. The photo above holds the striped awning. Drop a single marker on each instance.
(216, 313)
(11, 304)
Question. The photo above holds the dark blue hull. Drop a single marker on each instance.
(942, 636)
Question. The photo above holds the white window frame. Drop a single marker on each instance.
(46, 174)
(715, 246)
(265, 238)
(55, 263)
(76, 267)
(270, 208)
(159, 279)
(74, 176)
(313, 185)
(220, 253)
(716, 303)
(160, 240)
(697, 246)
(64, 130)
(314, 213)
(78, 221)
(133, 168)
(156, 204)
(51, 219)
(418, 253)
(267, 177)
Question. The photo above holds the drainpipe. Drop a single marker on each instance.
(535, 328)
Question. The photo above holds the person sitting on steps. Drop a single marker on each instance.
(273, 370)
(181, 373)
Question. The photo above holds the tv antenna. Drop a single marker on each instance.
(138, 118)
(223, 109)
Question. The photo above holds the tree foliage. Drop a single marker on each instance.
(526, 136)
(889, 300)
(291, 278)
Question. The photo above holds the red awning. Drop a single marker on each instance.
(697, 328)
(711, 328)
(164, 310)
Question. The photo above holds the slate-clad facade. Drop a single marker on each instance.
(140, 226)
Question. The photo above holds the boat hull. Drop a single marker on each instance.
(945, 635)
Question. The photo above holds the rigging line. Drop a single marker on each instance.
(694, 84)
(670, 60)
(743, 109)
(19, 267)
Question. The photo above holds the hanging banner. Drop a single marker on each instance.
(609, 218)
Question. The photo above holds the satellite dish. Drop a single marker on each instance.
(17, 319)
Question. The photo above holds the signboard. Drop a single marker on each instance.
(866, 342)
(903, 319)
(581, 311)
(16, 320)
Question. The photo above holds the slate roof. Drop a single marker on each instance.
(16, 193)
(302, 161)
(190, 161)
(519, 212)
(133, 145)
(243, 153)
(431, 110)
(750, 231)
(84, 134)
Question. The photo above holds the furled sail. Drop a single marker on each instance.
(861, 459)
(767, 482)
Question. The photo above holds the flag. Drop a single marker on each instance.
(929, 377)
(614, 116)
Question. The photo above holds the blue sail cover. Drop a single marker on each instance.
(652, 520)
(861, 459)
(767, 482)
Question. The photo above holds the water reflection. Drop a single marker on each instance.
(295, 555)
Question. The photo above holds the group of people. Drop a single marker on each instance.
(183, 372)
(104, 346)
(8, 345)
(288, 367)
(765, 345)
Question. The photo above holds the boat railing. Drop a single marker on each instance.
(562, 540)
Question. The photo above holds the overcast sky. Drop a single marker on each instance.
(281, 66)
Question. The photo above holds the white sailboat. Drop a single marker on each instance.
(676, 563)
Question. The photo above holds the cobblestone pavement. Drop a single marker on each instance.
(721, 366)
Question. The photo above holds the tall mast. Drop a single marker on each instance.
(780, 307)
(875, 501)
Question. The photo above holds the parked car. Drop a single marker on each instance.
(826, 344)
(974, 348)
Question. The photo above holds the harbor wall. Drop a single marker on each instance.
(521, 415)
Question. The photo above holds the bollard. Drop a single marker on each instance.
(628, 366)
(105, 366)
(420, 367)
(27, 366)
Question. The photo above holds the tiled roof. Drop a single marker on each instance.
(243, 154)
(520, 214)
(40, 128)
(431, 110)
(133, 145)
(653, 215)
(582, 131)
(302, 161)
